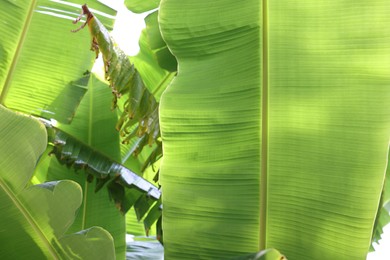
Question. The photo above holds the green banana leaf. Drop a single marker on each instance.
(156, 80)
(267, 254)
(383, 215)
(139, 119)
(38, 56)
(74, 153)
(124, 187)
(35, 219)
(140, 6)
(90, 147)
(55, 91)
(276, 128)
(157, 45)
(94, 126)
(148, 64)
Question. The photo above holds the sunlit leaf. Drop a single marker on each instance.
(38, 56)
(140, 6)
(140, 113)
(94, 125)
(276, 128)
(383, 214)
(37, 217)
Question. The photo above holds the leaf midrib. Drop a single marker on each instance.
(89, 142)
(264, 127)
(19, 205)
(8, 80)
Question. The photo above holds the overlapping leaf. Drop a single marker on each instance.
(153, 67)
(140, 112)
(94, 125)
(157, 44)
(140, 117)
(125, 187)
(36, 218)
(383, 214)
(38, 56)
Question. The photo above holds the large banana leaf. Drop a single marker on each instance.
(152, 57)
(48, 76)
(35, 219)
(38, 56)
(90, 147)
(94, 125)
(276, 128)
(157, 45)
(45, 72)
(139, 119)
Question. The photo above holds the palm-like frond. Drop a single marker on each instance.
(125, 187)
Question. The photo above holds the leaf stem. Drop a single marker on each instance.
(264, 129)
(89, 142)
(19, 205)
(163, 82)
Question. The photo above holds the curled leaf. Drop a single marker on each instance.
(140, 112)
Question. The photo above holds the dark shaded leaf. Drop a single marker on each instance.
(158, 46)
(142, 206)
(125, 187)
(38, 54)
(159, 231)
(153, 215)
